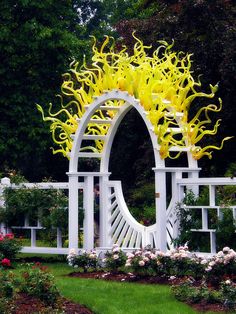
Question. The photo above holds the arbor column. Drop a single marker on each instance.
(104, 236)
(160, 197)
(88, 212)
(73, 225)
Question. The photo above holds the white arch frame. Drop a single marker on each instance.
(163, 216)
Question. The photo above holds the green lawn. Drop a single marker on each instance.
(104, 297)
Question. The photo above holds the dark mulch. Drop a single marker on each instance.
(204, 307)
(123, 277)
(25, 304)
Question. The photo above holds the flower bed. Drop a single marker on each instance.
(194, 280)
(34, 292)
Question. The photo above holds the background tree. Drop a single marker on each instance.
(38, 40)
(207, 29)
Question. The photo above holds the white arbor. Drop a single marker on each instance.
(116, 223)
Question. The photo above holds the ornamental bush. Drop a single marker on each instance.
(220, 265)
(9, 246)
(38, 282)
(144, 262)
(225, 294)
(84, 261)
(8, 283)
(115, 259)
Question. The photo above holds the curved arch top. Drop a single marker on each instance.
(120, 111)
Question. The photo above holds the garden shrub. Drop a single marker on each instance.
(143, 263)
(8, 282)
(84, 261)
(115, 259)
(3, 305)
(186, 292)
(38, 282)
(220, 265)
(9, 246)
(228, 293)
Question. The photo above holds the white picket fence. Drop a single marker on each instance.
(213, 184)
(33, 248)
(122, 228)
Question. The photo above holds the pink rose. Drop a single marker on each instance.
(6, 262)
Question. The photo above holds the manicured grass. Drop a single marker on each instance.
(105, 297)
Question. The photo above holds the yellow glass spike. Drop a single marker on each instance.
(161, 81)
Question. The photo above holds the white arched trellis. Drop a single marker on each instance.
(116, 223)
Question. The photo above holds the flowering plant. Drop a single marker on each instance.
(142, 262)
(6, 263)
(221, 265)
(9, 246)
(228, 292)
(38, 282)
(115, 259)
(84, 260)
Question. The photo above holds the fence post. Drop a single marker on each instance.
(88, 213)
(73, 224)
(5, 182)
(161, 217)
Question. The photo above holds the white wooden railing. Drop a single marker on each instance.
(33, 248)
(212, 184)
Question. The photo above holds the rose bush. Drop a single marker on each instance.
(85, 261)
(38, 282)
(9, 246)
(115, 259)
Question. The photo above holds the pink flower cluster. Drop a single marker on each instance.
(222, 258)
(179, 253)
(9, 236)
(6, 263)
(142, 257)
(145, 257)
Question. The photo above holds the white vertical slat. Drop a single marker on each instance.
(59, 238)
(213, 242)
(33, 237)
(138, 243)
(212, 195)
(88, 213)
(73, 225)
(204, 218)
(132, 239)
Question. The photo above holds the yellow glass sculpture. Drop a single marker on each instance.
(163, 83)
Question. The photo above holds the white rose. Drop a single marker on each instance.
(116, 249)
(130, 255)
(141, 263)
(226, 249)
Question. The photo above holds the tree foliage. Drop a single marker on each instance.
(38, 40)
(206, 29)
